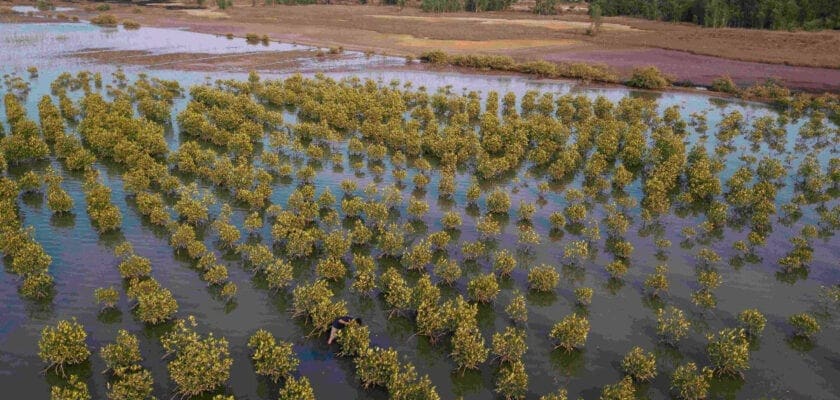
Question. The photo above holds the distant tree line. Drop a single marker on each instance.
(464, 5)
(760, 14)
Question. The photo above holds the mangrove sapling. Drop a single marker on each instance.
(215, 275)
(503, 263)
(331, 268)
(639, 365)
(583, 296)
(623, 390)
(729, 352)
(517, 309)
(468, 350)
(804, 325)
(447, 270)
(75, 389)
(133, 383)
(202, 362)
(296, 389)
(122, 353)
(106, 297)
(451, 220)
(560, 394)
(509, 346)
(498, 202)
(272, 360)
(657, 282)
(570, 333)
(62, 345)
(483, 288)
(354, 340)
(690, 383)
(752, 321)
(512, 380)
(543, 278)
(672, 325)
(377, 366)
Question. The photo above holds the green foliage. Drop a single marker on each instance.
(512, 381)
(75, 389)
(639, 365)
(543, 278)
(752, 321)
(468, 350)
(804, 325)
(729, 352)
(689, 383)
(107, 297)
(672, 324)
(648, 78)
(761, 14)
(201, 363)
(623, 390)
(571, 332)
(104, 20)
(63, 344)
(297, 389)
(123, 353)
(583, 296)
(509, 346)
(483, 288)
(517, 309)
(271, 359)
(545, 7)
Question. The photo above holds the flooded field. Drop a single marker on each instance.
(690, 236)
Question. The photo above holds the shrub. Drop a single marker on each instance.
(725, 84)
(104, 20)
(107, 297)
(76, 389)
(354, 339)
(648, 78)
(376, 366)
(517, 309)
(623, 390)
(571, 332)
(130, 24)
(504, 263)
(483, 288)
(512, 381)
(804, 325)
(638, 365)
(468, 349)
(63, 344)
(545, 7)
(583, 296)
(543, 278)
(135, 383)
(752, 321)
(671, 324)
(447, 270)
(201, 363)
(124, 352)
(451, 220)
(37, 286)
(297, 389)
(434, 57)
(729, 352)
(271, 360)
(689, 383)
(498, 202)
(510, 345)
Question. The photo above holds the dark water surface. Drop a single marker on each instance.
(621, 317)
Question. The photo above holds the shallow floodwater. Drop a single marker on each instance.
(621, 317)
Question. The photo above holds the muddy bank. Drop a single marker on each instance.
(702, 70)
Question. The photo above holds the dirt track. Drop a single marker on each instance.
(689, 52)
